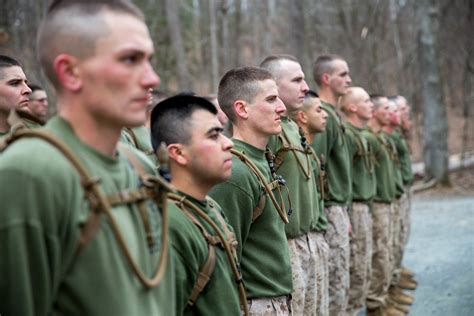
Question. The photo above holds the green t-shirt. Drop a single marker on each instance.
(140, 138)
(404, 157)
(384, 170)
(333, 145)
(262, 245)
(220, 295)
(363, 173)
(298, 170)
(43, 207)
(397, 169)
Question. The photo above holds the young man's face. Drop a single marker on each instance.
(339, 80)
(38, 103)
(317, 117)
(265, 109)
(118, 79)
(13, 88)
(291, 85)
(208, 151)
(382, 114)
(394, 114)
(364, 106)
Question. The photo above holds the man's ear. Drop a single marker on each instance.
(325, 78)
(240, 109)
(67, 72)
(302, 117)
(352, 108)
(177, 153)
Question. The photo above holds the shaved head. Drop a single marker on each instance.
(353, 95)
(275, 64)
(73, 28)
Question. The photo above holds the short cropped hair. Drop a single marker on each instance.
(272, 63)
(170, 119)
(7, 62)
(73, 27)
(323, 64)
(35, 87)
(377, 100)
(240, 84)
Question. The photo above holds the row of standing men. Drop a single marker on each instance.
(297, 214)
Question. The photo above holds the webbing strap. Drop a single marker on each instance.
(99, 203)
(280, 209)
(232, 259)
(281, 153)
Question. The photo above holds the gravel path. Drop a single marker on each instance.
(441, 252)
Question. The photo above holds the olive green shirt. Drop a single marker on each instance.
(297, 168)
(363, 174)
(262, 245)
(332, 144)
(404, 157)
(384, 169)
(399, 187)
(220, 295)
(140, 138)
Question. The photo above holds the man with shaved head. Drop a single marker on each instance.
(331, 74)
(357, 107)
(378, 301)
(14, 90)
(295, 163)
(74, 244)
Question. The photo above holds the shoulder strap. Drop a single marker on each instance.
(209, 266)
(267, 187)
(99, 203)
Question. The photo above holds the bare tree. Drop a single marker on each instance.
(177, 43)
(214, 51)
(435, 123)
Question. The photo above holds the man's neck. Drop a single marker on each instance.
(188, 184)
(248, 136)
(4, 126)
(309, 136)
(375, 126)
(99, 135)
(388, 129)
(357, 121)
(326, 95)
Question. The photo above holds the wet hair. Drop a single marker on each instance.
(272, 63)
(324, 64)
(240, 84)
(73, 27)
(171, 118)
(7, 62)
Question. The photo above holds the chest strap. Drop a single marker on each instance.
(99, 204)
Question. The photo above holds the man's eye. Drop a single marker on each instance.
(130, 59)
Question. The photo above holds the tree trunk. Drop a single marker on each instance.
(296, 36)
(225, 52)
(178, 46)
(435, 151)
(214, 51)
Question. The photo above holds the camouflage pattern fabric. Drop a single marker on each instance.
(337, 235)
(280, 306)
(361, 257)
(304, 273)
(394, 233)
(320, 249)
(380, 279)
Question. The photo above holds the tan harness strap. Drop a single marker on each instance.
(280, 209)
(99, 203)
(281, 153)
(232, 259)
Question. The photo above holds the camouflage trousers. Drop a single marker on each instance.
(394, 234)
(381, 272)
(309, 262)
(337, 236)
(270, 306)
(361, 256)
(399, 246)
